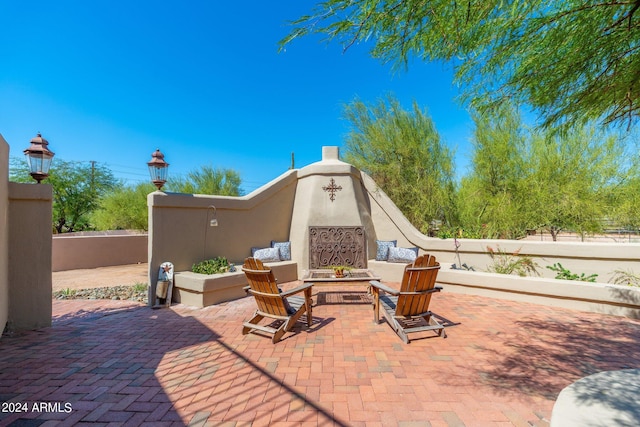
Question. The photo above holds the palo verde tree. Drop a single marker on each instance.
(77, 190)
(538, 179)
(124, 208)
(402, 151)
(627, 207)
(573, 61)
(572, 179)
(490, 197)
(208, 180)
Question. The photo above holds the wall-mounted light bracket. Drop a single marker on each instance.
(213, 222)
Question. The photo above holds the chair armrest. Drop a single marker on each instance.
(248, 270)
(384, 288)
(296, 290)
(425, 292)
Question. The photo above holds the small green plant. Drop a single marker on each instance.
(211, 266)
(139, 287)
(445, 234)
(67, 293)
(511, 263)
(628, 278)
(564, 274)
(341, 267)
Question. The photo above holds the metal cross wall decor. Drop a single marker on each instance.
(332, 188)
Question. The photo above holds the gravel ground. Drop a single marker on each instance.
(131, 293)
(122, 282)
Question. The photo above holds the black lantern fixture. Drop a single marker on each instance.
(39, 158)
(158, 169)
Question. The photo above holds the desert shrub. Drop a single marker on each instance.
(564, 274)
(511, 263)
(211, 266)
(628, 278)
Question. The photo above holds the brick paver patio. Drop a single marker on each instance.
(120, 363)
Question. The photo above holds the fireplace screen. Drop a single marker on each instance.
(337, 246)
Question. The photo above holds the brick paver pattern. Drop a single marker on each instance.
(120, 363)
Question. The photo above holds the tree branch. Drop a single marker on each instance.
(623, 18)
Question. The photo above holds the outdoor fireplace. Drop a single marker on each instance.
(337, 246)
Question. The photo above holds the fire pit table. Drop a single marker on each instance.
(358, 276)
(350, 276)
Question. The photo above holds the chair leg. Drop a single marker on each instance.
(441, 332)
(308, 303)
(279, 333)
(376, 304)
(254, 321)
(400, 331)
(294, 318)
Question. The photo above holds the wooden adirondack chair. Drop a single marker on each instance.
(272, 303)
(407, 309)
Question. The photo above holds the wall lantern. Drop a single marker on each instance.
(213, 222)
(158, 169)
(39, 158)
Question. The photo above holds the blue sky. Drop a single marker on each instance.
(203, 81)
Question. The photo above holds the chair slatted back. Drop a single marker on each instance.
(418, 276)
(264, 287)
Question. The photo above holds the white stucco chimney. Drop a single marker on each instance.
(330, 153)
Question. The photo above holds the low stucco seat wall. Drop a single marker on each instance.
(387, 271)
(602, 298)
(202, 290)
(618, 300)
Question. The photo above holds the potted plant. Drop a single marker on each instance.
(340, 271)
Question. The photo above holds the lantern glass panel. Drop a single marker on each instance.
(158, 173)
(39, 162)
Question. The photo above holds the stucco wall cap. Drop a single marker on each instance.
(329, 167)
(30, 191)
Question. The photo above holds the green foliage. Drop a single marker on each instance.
(569, 180)
(446, 233)
(139, 287)
(77, 190)
(625, 201)
(207, 180)
(491, 197)
(511, 263)
(211, 266)
(67, 292)
(124, 208)
(571, 61)
(629, 278)
(461, 233)
(526, 179)
(402, 151)
(564, 274)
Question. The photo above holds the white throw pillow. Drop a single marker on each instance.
(404, 255)
(267, 254)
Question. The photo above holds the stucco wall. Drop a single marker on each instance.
(90, 251)
(4, 235)
(579, 257)
(30, 210)
(285, 209)
(179, 230)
